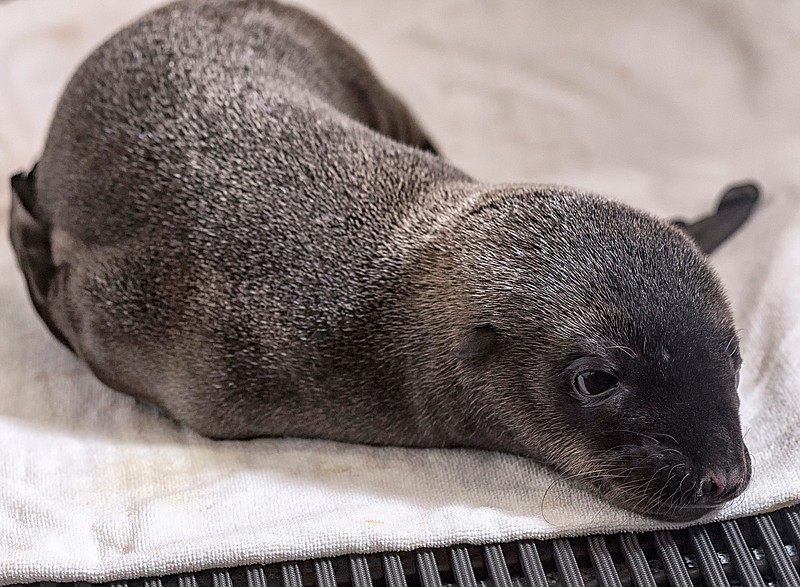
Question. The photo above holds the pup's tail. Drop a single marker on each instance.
(30, 237)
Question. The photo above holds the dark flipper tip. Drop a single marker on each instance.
(745, 194)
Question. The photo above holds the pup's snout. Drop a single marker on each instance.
(720, 485)
(680, 489)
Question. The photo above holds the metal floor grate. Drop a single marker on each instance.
(758, 551)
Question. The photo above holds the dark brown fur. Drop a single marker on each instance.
(233, 219)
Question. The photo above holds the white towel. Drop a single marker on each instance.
(656, 104)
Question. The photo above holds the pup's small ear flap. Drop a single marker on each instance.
(479, 343)
(22, 184)
(735, 207)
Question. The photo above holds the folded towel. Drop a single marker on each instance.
(656, 104)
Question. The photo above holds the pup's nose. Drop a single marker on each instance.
(720, 485)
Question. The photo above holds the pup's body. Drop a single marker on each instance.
(234, 220)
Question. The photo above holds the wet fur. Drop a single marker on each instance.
(234, 220)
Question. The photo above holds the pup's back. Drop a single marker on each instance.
(219, 189)
(199, 101)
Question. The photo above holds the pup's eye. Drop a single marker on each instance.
(594, 382)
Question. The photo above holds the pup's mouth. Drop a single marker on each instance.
(673, 513)
(651, 506)
(680, 501)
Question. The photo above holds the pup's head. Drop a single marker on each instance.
(605, 346)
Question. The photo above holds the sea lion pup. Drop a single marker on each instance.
(234, 220)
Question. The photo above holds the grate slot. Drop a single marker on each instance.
(324, 573)
(793, 522)
(603, 563)
(218, 578)
(428, 569)
(393, 571)
(670, 556)
(741, 555)
(155, 583)
(637, 561)
(532, 565)
(496, 563)
(256, 577)
(462, 567)
(567, 565)
(187, 581)
(773, 547)
(707, 558)
(359, 571)
(290, 575)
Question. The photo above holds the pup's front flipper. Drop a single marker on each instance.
(735, 207)
(30, 238)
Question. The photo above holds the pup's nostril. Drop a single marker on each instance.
(710, 487)
(719, 486)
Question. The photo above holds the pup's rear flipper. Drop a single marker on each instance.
(735, 207)
(31, 241)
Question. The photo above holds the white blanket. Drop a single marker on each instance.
(656, 104)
